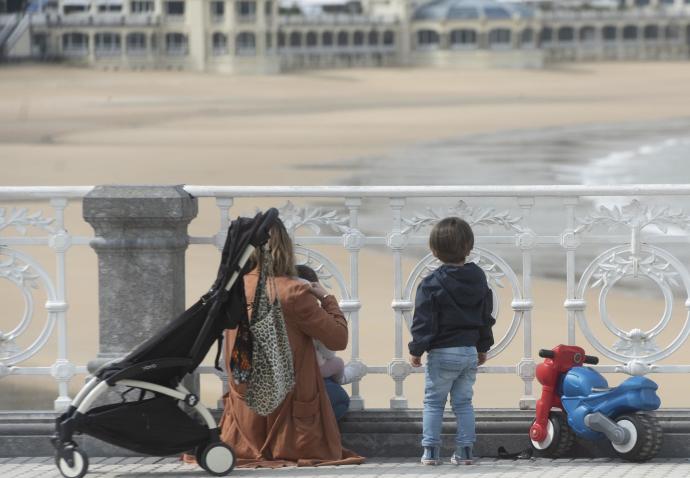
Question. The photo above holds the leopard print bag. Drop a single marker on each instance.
(273, 374)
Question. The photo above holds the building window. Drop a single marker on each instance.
(428, 38)
(546, 35)
(281, 39)
(609, 33)
(499, 38)
(136, 42)
(174, 7)
(295, 39)
(75, 43)
(268, 8)
(388, 38)
(373, 37)
(312, 39)
(343, 39)
(358, 38)
(630, 32)
(245, 44)
(463, 38)
(246, 10)
(587, 34)
(527, 37)
(176, 44)
(672, 32)
(109, 7)
(69, 9)
(651, 32)
(327, 39)
(139, 6)
(108, 43)
(217, 10)
(566, 34)
(220, 44)
(642, 3)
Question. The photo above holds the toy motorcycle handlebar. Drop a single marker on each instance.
(589, 359)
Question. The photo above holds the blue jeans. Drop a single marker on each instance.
(340, 400)
(451, 371)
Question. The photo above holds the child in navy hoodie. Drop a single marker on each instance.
(452, 323)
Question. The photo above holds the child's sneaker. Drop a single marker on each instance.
(462, 456)
(431, 455)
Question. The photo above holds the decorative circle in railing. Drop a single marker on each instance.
(28, 276)
(617, 263)
(496, 270)
(325, 269)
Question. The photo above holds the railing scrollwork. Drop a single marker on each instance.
(637, 242)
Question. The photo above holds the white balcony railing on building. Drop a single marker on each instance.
(96, 19)
(631, 232)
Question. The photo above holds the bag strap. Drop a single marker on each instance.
(266, 281)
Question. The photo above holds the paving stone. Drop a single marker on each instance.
(118, 467)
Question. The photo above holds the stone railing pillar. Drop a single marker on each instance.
(140, 240)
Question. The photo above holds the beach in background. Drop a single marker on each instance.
(581, 124)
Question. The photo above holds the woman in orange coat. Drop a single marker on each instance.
(303, 430)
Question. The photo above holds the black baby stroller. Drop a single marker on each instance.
(156, 423)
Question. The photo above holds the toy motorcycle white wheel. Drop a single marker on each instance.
(644, 437)
(559, 439)
(79, 467)
(218, 459)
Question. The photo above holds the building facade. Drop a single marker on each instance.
(251, 36)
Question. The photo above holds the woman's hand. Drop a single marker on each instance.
(318, 291)
(415, 361)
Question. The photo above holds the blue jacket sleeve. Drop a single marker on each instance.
(422, 329)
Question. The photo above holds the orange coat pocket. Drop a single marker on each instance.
(308, 428)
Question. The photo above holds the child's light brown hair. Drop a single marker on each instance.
(451, 240)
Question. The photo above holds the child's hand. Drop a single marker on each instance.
(415, 361)
(481, 358)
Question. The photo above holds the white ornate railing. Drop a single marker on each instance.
(625, 230)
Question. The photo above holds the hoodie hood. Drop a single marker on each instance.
(464, 285)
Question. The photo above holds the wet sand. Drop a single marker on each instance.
(64, 126)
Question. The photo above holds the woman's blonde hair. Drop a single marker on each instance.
(282, 251)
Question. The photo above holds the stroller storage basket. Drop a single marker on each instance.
(155, 426)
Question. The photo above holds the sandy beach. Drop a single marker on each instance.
(68, 126)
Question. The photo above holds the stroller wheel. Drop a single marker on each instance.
(79, 466)
(218, 459)
(199, 455)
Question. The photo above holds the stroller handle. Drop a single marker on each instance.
(261, 235)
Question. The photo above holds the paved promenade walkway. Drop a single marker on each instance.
(382, 467)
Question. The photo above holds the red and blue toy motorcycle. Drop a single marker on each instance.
(592, 410)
